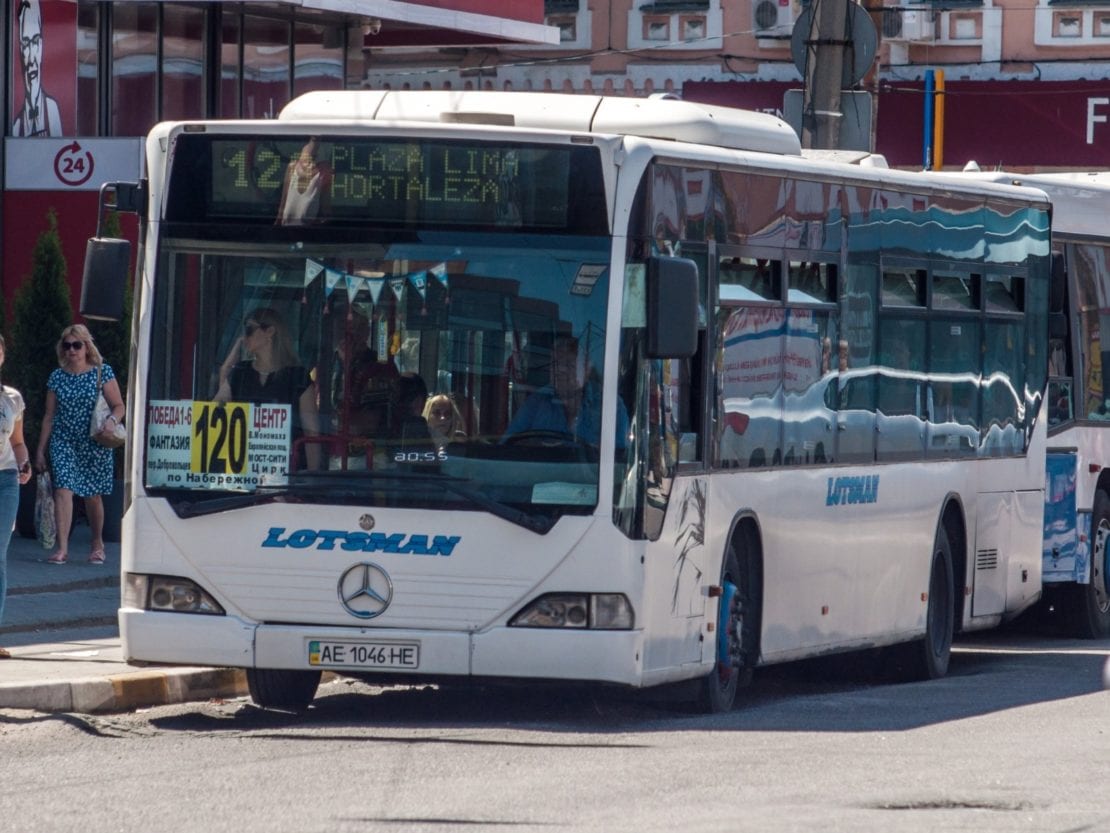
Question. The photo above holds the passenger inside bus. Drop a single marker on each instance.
(263, 367)
(360, 388)
(409, 429)
(445, 422)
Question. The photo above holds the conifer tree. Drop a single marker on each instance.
(40, 312)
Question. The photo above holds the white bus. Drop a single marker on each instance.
(718, 404)
(1076, 568)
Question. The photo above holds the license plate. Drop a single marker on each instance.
(352, 654)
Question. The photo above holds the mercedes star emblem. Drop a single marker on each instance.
(365, 590)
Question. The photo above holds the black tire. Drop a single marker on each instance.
(927, 658)
(718, 688)
(287, 691)
(1088, 604)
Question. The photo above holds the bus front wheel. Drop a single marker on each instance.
(1090, 603)
(289, 691)
(737, 635)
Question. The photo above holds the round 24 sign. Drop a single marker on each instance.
(73, 165)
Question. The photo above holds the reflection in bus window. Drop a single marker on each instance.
(749, 384)
(901, 390)
(1091, 267)
(808, 424)
(955, 356)
(1003, 418)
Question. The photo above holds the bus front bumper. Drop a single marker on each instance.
(511, 653)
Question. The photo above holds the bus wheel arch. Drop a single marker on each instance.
(954, 523)
(739, 621)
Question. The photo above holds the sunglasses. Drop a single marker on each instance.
(72, 345)
(250, 328)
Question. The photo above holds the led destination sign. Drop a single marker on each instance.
(302, 181)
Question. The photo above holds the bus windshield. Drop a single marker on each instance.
(433, 370)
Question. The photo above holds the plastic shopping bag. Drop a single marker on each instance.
(45, 529)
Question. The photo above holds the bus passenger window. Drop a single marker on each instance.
(904, 288)
(811, 283)
(749, 279)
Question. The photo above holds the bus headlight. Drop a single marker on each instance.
(587, 611)
(167, 594)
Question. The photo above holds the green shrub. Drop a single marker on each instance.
(40, 311)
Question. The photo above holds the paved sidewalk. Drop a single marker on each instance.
(60, 626)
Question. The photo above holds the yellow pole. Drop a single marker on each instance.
(938, 123)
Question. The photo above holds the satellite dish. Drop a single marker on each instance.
(859, 51)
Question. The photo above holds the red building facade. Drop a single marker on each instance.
(85, 80)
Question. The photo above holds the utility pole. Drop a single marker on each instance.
(824, 75)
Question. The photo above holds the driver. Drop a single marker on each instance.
(566, 406)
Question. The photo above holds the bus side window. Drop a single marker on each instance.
(1059, 401)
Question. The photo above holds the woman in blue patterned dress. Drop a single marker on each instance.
(79, 465)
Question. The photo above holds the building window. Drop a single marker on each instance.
(266, 67)
(657, 28)
(568, 28)
(230, 66)
(88, 94)
(134, 68)
(1067, 25)
(182, 62)
(965, 27)
(1102, 25)
(693, 28)
(317, 57)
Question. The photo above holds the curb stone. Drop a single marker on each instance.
(124, 692)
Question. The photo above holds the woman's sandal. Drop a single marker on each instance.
(96, 557)
(57, 558)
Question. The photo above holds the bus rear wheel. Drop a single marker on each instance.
(927, 658)
(1089, 606)
(289, 691)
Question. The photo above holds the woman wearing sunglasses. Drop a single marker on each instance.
(79, 465)
(271, 373)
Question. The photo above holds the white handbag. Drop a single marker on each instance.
(110, 434)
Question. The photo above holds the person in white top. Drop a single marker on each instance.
(15, 470)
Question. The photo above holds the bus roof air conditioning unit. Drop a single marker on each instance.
(903, 24)
(772, 18)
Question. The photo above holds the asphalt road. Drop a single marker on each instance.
(1016, 738)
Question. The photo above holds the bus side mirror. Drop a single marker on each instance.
(105, 278)
(672, 308)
